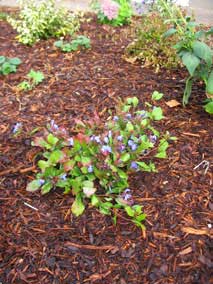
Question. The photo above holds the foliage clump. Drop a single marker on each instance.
(41, 20)
(75, 44)
(150, 47)
(115, 13)
(94, 163)
(8, 65)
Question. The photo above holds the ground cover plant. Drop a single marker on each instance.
(101, 158)
(8, 65)
(41, 240)
(34, 78)
(41, 20)
(75, 44)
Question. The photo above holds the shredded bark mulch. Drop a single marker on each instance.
(45, 243)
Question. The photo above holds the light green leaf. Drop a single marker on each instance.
(94, 200)
(14, 61)
(46, 188)
(130, 212)
(203, 51)
(52, 139)
(125, 157)
(33, 185)
(157, 113)
(78, 206)
(209, 107)
(170, 32)
(209, 86)
(55, 156)
(191, 62)
(156, 96)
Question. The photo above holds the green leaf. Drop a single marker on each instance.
(36, 76)
(203, 51)
(209, 107)
(58, 43)
(187, 91)
(43, 165)
(14, 61)
(125, 157)
(94, 200)
(46, 188)
(169, 32)
(157, 113)
(7, 68)
(130, 212)
(145, 167)
(129, 126)
(209, 86)
(156, 96)
(191, 62)
(52, 139)
(122, 174)
(141, 217)
(55, 156)
(2, 59)
(88, 188)
(33, 185)
(78, 206)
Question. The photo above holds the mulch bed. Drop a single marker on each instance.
(47, 245)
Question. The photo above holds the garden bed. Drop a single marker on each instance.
(47, 244)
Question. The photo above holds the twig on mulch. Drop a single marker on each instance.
(17, 170)
(91, 247)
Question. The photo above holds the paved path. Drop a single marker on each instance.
(203, 9)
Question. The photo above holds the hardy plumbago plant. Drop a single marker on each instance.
(116, 13)
(94, 163)
(8, 65)
(75, 44)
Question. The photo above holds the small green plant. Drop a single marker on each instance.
(115, 13)
(41, 20)
(34, 78)
(8, 65)
(75, 44)
(94, 162)
(3, 16)
(192, 48)
(150, 47)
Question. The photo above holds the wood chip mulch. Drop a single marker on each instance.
(46, 244)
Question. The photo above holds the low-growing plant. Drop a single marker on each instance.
(75, 44)
(94, 163)
(3, 16)
(8, 65)
(41, 20)
(34, 78)
(192, 48)
(115, 13)
(150, 47)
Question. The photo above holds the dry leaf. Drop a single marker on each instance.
(131, 60)
(172, 103)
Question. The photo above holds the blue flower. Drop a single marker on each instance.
(128, 116)
(127, 194)
(115, 118)
(17, 127)
(106, 149)
(63, 177)
(122, 148)
(70, 141)
(134, 147)
(97, 139)
(120, 138)
(134, 165)
(41, 181)
(106, 140)
(153, 138)
(90, 169)
(53, 125)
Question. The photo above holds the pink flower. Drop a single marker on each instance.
(110, 9)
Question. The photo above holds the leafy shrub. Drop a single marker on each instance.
(8, 65)
(95, 162)
(34, 78)
(150, 47)
(116, 13)
(192, 48)
(80, 41)
(41, 20)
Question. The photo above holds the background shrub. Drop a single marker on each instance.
(150, 46)
(41, 20)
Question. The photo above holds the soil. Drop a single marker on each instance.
(46, 244)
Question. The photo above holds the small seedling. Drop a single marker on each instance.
(8, 65)
(80, 41)
(34, 78)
